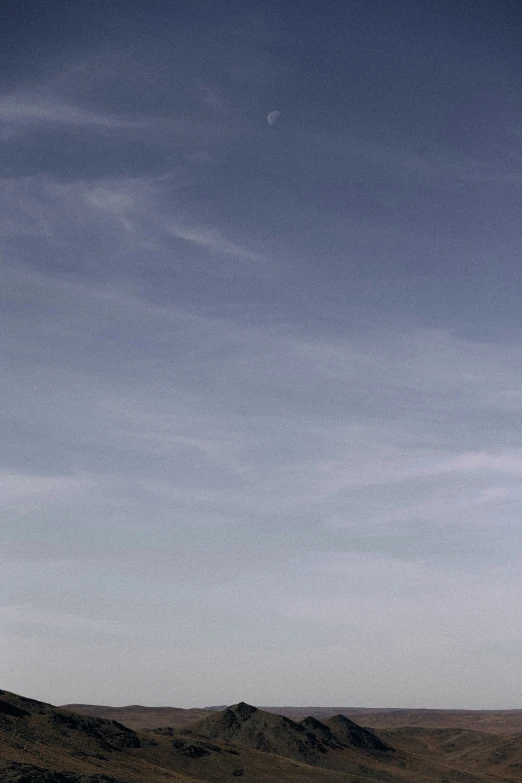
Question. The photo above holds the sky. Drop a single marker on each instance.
(261, 384)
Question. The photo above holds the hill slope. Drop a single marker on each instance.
(42, 744)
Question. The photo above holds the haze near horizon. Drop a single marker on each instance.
(261, 383)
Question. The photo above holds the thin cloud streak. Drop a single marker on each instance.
(26, 110)
(212, 240)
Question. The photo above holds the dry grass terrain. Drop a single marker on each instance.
(43, 744)
(491, 721)
(139, 718)
(463, 748)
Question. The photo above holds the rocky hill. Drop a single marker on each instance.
(253, 728)
(309, 741)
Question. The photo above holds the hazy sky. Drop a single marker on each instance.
(261, 385)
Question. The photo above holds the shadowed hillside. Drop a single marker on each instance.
(350, 733)
(44, 744)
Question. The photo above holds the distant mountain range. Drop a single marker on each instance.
(493, 721)
(40, 743)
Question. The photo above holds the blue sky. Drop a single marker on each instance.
(261, 384)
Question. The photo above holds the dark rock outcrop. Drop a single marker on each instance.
(350, 733)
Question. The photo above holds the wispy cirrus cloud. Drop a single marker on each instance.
(19, 109)
(211, 240)
(134, 205)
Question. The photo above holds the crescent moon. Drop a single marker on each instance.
(272, 117)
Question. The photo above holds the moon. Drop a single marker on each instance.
(272, 117)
